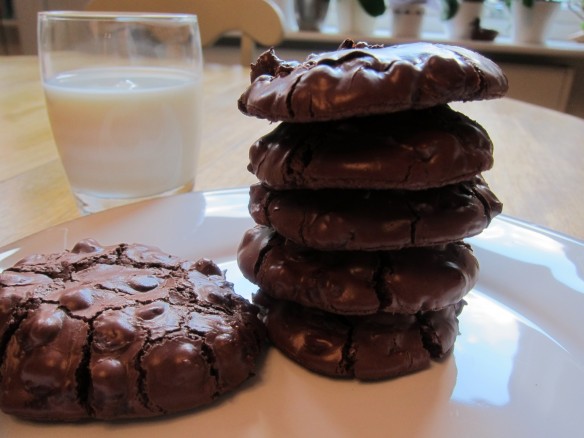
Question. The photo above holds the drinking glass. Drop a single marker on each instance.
(123, 95)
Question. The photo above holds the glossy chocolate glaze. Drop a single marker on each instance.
(360, 80)
(123, 331)
(357, 282)
(376, 220)
(410, 149)
(372, 347)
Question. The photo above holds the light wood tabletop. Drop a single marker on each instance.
(539, 153)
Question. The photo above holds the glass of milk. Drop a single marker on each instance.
(123, 95)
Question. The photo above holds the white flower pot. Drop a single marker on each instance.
(407, 21)
(352, 18)
(459, 27)
(530, 24)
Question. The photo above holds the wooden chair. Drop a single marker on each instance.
(259, 21)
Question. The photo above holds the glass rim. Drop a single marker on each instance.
(117, 16)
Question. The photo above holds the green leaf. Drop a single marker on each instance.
(373, 7)
(450, 9)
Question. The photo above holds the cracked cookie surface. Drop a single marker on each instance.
(358, 282)
(370, 347)
(372, 220)
(123, 331)
(410, 149)
(361, 79)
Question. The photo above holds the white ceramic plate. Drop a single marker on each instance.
(517, 368)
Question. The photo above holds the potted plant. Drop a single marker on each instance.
(531, 19)
(407, 18)
(358, 16)
(463, 20)
(374, 8)
(310, 14)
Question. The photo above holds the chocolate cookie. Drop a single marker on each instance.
(122, 331)
(370, 220)
(357, 282)
(372, 347)
(411, 149)
(359, 80)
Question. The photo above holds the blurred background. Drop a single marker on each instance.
(546, 69)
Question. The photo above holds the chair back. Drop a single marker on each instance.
(258, 21)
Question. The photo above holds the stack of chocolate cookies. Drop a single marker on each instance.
(368, 187)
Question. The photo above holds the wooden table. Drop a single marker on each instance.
(539, 153)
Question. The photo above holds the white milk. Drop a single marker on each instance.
(126, 132)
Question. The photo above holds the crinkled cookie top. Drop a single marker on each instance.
(360, 79)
